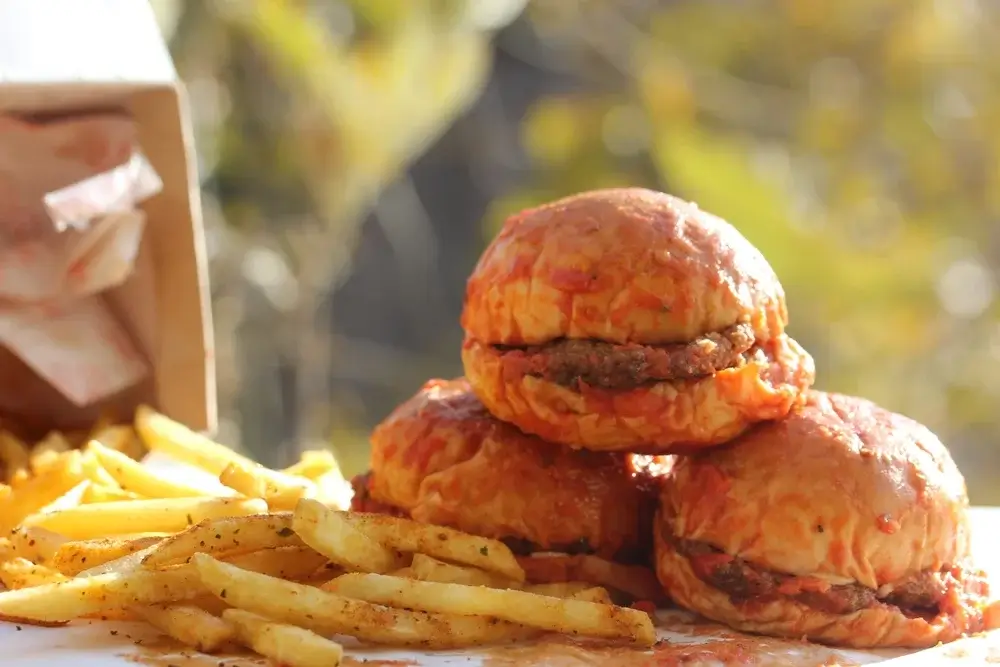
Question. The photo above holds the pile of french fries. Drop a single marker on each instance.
(270, 561)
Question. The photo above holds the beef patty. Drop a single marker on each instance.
(569, 362)
(744, 582)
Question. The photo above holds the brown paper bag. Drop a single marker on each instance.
(103, 279)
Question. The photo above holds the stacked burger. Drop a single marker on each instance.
(631, 393)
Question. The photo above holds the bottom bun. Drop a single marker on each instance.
(882, 625)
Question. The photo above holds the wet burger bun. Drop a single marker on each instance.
(629, 319)
(441, 458)
(844, 523)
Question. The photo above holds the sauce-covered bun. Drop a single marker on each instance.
(441, 458)
(843, 523)
(629, 320)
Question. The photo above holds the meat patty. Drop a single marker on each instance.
(744, 582)
(362, 501)
(569, 362)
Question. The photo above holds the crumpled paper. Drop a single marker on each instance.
(70, 229)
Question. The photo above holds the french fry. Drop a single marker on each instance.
(162, 434)
(47, 451)
(97, 493)
(133, 476)
(253, 480)
(426, 568)
(160, 515)
(13, 454)
(19, 572)
(442, 543)
(562, 589)
(72, 558)
(96, 473)
(190, 625)
(574, 617)
(332, 490)
(328, 532)
(36, 492)
(596, 594)
(314, 609)
(126, 563)
(121, 439)
(636, 581)
(107, 593)
(71, 498)
(226, 535)
(36, 544)
(6, 550)
(284, 644)
(293, 563)
(313, 464)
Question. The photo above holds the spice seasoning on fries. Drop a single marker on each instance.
(272, 563)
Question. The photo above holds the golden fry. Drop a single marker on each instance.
(133, 476)
(328, 532)
(122, 439)
(22, 573)
(426, 568)
(71, 498)
(284, 644)
(442, 543)
(293, 563)
(72, 558)
(313, 464)
(36, 544)
(47, 451)
(36, 492)
(89, 596)
(314, 609)
(162, 434)
(253, 480)
(96, 493)
(188, 624)
(226, 535)
(160, 515)
(574, 617)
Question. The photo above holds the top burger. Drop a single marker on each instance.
(629, 320)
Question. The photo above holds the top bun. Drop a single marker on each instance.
(841, 488)
(620, 265)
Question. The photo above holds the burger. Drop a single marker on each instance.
(843, 523)
(629, 320)
(441, 458)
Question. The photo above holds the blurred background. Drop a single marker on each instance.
(357, 155)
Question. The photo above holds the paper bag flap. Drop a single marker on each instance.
(164, 305)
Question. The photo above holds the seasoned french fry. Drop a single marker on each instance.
(294, 563)
(328, 614)
(426, 568)
(126, 563)
(6, 549)
(443, 543)
(72, 558)
(22, 573)
(36, 544)
(36, 492)
(253, 480)
(161, 515)
(133, 476)
(284, 644)
(328, 532)
(162, 434)
(13, 454)
(543, 612)
(79, 597)
(190, 625)
(313, 464)
(226, 535)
